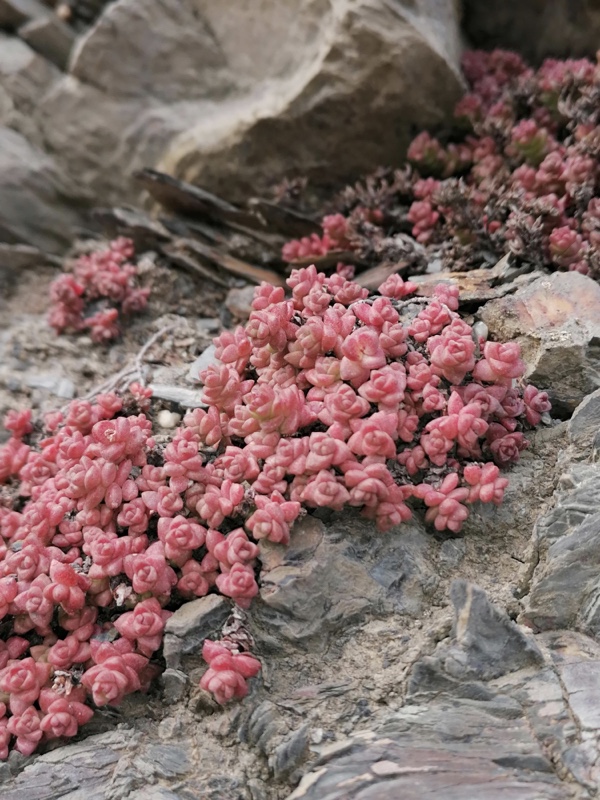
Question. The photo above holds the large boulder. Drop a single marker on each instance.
(327, 88)
(362, 76)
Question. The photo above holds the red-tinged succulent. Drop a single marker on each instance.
(104, 276)
(13, 457)
(22, 680)
(69, 651)
(519, 173)
(180, 536)
(144, 625)
(26, 728)
(62, 715)
(505, 447)
(424, 219)
(219, 502)
(452, 353)
(500, 363)
(361, 353)
(12, 648)
(113, 678)
(325, 490)
(149, 571)
(536, 404)
(486, 484)
(239, 584)
(230, 549)
(395, 286)
(273, 518)
(18, 423)
(194, 581)
(426, 153)
(445, 503)
(227, 671)
(67, 587)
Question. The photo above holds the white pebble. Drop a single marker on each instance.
(480, 329)
(168, 419)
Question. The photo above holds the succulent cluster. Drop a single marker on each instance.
(330, 398)
(519, 173)
(100, 288)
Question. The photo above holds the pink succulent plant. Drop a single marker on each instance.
(105, 274)
(227, 671)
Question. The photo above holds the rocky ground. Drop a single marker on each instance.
(401, 665)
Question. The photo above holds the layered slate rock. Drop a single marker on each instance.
(39, 204)
(462, 735)
(332, 575)
(497, 711)
(565, 591)
(456, 749)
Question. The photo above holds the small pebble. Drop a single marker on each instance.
(316, 736)
(239, 302)
(168, 419)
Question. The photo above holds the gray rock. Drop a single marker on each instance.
(239, 302)
(54, 383)
(265, 728)
(452, 552)
(191, 624)
(204, 360)
(576, 498)
(174, 683)
(367, 54)
(557, 324)
(14, 259)
(455, 749)
(488, 643)
(14, 13)
(514, 736)
(563, 28)
(25, 76)
(333, 574)
(37, 202)
(154, 793)
(62, 772)
(565, 591)
(290, 753)
(584, 425)
(199, 617)
(50, 37)
(188, 398)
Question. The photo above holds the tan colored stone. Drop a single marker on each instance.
(235, 101)
(371, 72)
(556, 319)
